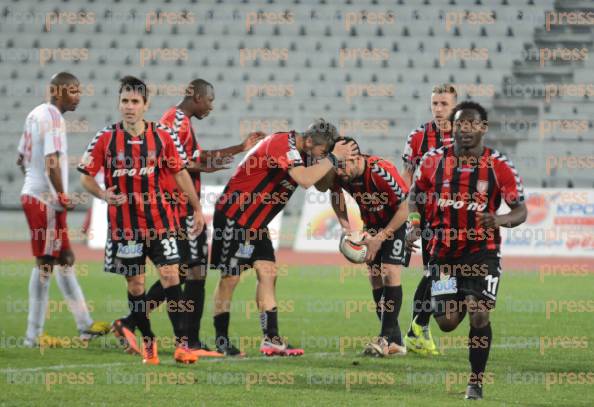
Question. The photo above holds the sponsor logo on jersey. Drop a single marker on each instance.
(482, 186)
(133, 171)
(471, 206)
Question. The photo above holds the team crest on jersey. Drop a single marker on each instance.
(482, 186)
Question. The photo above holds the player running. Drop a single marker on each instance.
(433, 134)
(380, 193)
(193, 249)
(462, 186)
(258, 190)
(134, 154)
(43, 158)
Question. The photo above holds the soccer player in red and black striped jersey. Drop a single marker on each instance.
(433, 134)
(134, 154)
(380, 193)
(193, 249)
(462, 187)
(258, 190)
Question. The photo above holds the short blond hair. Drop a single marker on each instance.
(445, 88)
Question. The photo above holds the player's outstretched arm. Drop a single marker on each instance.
(184, 182)
(221, 159)
(308, 176)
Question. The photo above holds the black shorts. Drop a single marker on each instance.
(392, 250)
(193, 250)
(128, 257)
(452, 280)
(235, 248)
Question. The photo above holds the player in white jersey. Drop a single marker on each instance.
(44, 161)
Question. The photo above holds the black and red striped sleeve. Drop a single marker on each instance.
(412, 150)
(508, 179)
(94, 157)
(386, 178)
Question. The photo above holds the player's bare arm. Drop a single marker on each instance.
(308, 176)
(108, 195)
(20, 163)
(339, 206)
(54, 172)
(326, 182)
(221, 159)
(374, 243)
(514, 218)
(185, 184)
(414, 230)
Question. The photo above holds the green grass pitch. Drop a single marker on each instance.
(542, 352)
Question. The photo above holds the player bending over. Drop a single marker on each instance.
(380, 193)
(258, 190)
(462, 187)
(43, 158)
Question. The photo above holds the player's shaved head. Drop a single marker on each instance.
(198, 87)
(63, 78)
(468, 105)
(64, 91)
(61, 82)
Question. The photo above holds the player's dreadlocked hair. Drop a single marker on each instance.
(322, 132)
(133, 84)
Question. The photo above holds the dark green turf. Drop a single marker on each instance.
(315, 303)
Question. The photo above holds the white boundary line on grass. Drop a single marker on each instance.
(211, 360)
(167, 362)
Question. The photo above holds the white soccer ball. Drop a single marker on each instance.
(352, 248)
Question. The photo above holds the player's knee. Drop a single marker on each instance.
(197, 273)
(479, 319)
(229, 282)
(66, 258)
(447, 324)
(135, 287)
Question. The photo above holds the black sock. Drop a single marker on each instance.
(269, 323)
(479, 344)
(377, 297)
(391, 307)
(194, 296)
(137, 305)
(176, 309)
(221, 324)
(155, 295)
(422, 303)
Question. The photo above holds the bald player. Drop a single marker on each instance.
(42, 156)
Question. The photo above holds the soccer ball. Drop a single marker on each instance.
(351, 247)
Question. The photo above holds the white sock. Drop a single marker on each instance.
(68, 283)
(38, 297)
